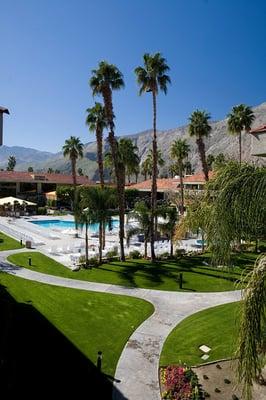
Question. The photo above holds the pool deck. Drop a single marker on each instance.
(64, 247)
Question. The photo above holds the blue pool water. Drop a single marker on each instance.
(59, 224)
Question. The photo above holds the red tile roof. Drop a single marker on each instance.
(18, 176)
(259, 129)
(170, 184)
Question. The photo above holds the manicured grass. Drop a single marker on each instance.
(83, 316)
(141, 273)
(8, 243)
(216, 327)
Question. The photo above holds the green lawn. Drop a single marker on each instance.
(8, 243)
(89, 321)
(141, 273)
(215, 327)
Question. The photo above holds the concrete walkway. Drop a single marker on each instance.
(137, 369)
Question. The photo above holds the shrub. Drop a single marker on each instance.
(234, 397)
(217, 390)
(227, 381)
(112, 253)
(164, 256)
(41, 211)
(180, 252)
(206, 394)
(180, 383)
(218, 366)
(205, 377)
(135, 254)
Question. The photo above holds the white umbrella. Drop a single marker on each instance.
(13, 200)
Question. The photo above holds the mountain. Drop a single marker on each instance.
(218, 142)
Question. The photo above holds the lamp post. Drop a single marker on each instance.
(3, 110)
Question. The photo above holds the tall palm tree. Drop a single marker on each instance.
(147, 165)
(73, 148)
(179, 151)
(104, 80)
(86, 217)
(152, 78)
(96, 121)
(240, 118)
(200, 128)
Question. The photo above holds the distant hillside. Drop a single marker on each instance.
(218, 142)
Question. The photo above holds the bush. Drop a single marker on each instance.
(112, 253)
(91, 261)
(180, 252)
(135, 254)
(41, 211)
(164, 256)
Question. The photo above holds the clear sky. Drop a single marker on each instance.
(216, 50)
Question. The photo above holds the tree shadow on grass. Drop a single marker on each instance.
(37, 360)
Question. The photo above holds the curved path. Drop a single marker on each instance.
(136, 376)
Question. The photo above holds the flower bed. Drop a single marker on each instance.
(179, 383)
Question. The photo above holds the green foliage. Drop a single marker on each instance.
(30, 169)
(11, 163)
(41, 211)
(131, 196)
(240, 118)
(135, 254)
(252, 335)
(73, 148)
(152, 76)
(237, 207)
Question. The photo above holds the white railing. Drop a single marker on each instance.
(19, 235)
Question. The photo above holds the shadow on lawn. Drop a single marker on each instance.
(156, 273)
(37, 360)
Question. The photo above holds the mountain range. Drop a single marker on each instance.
(218, 142)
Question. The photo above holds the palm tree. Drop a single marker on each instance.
(152, 78)
(251, 349)
(237, 210)
(210, 161)
(142, 214)
(147, 164)
(50, 170)
(96, 121)
(104, 80)
(170, 214)
(240, 118)
(11, 163)
(146, 168)
(179, 151)
(244, 187)
(200, 128)
(128, 156)
(73, 148)
(86, 217)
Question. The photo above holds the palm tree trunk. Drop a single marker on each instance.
(201, 149)
(145, 248)
(75, 202)
(107, 96)
(100, 241)
(99, 138)
(171, 246)
(103, 230)
(240, 147)
(154, 177)
(86, 244)
(181, 186)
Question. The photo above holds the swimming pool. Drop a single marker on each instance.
(60, 224)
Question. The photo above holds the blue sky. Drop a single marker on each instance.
(216, 50)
